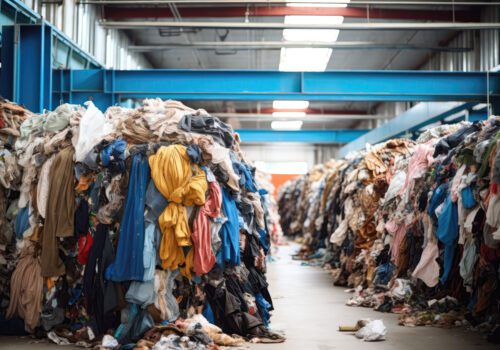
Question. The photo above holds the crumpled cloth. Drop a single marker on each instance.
(93, 128)
(129, 262)
(204, 258)
(172, 173)
(60, 212)
(428, 269)
(58, 119)
(26, 289)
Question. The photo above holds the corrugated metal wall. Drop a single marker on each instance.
(484, 56)
(81, 23)
(486, 48)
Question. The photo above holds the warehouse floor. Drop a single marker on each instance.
(309, 310)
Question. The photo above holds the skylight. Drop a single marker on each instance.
(287, 125)
(279, 104)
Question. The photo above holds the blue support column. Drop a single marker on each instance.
(27, 65)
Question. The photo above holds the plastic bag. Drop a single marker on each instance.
(372, 331)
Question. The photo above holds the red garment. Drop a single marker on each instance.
(84, 244)
(204, 258)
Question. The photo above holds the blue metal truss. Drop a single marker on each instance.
(107, 87)
(308, 136)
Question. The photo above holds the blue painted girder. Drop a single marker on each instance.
(309, 136)
(107, 87)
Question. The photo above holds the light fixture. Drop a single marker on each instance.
(480, 106)
(279, 104)
(319, 3)
(297, 114)
(287, 125)
(308, 59)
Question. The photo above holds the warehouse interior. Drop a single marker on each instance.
(266, 174)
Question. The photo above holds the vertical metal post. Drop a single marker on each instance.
(27, 65)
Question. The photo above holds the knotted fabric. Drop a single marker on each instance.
(182, 184)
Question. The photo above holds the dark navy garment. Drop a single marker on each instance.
(447, 233)
(113, 156)
(229, 233)
(129, 262)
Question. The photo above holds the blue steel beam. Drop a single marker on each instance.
(309, 136)
(107, 87)
(411, 120)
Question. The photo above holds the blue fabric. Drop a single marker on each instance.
(208, 313)
(22, 222)
(447, 233)
(246, 177)
(384, 273)
(229, 233)
(194, 153)
(438, 197)
(155, 202)
(468, 199)
(113, 156)
(264, 240)
(263, 306)
(129, 262)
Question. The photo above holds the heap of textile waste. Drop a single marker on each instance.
(274, 228)
(411, 227)
(145, 226)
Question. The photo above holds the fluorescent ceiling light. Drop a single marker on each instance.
(322, 35)
(309, 59)
(289, 114)
(290, 104)
(287, 125)
(319, 3)
(479, 106)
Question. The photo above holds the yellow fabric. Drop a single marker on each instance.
(183, 184)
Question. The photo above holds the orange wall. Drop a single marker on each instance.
(280, 179)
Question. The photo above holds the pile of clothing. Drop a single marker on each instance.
(409, 225)
(141, 225)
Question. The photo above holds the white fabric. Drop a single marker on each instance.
(93, 128)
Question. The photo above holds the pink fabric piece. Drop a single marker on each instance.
(204, 258)
(398, 232)
(418, 165)
(428, 269)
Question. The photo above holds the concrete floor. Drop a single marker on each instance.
(309, 310)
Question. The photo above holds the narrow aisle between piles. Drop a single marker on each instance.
(310, 309)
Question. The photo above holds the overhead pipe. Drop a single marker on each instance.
(277, 45)
(281, 26)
